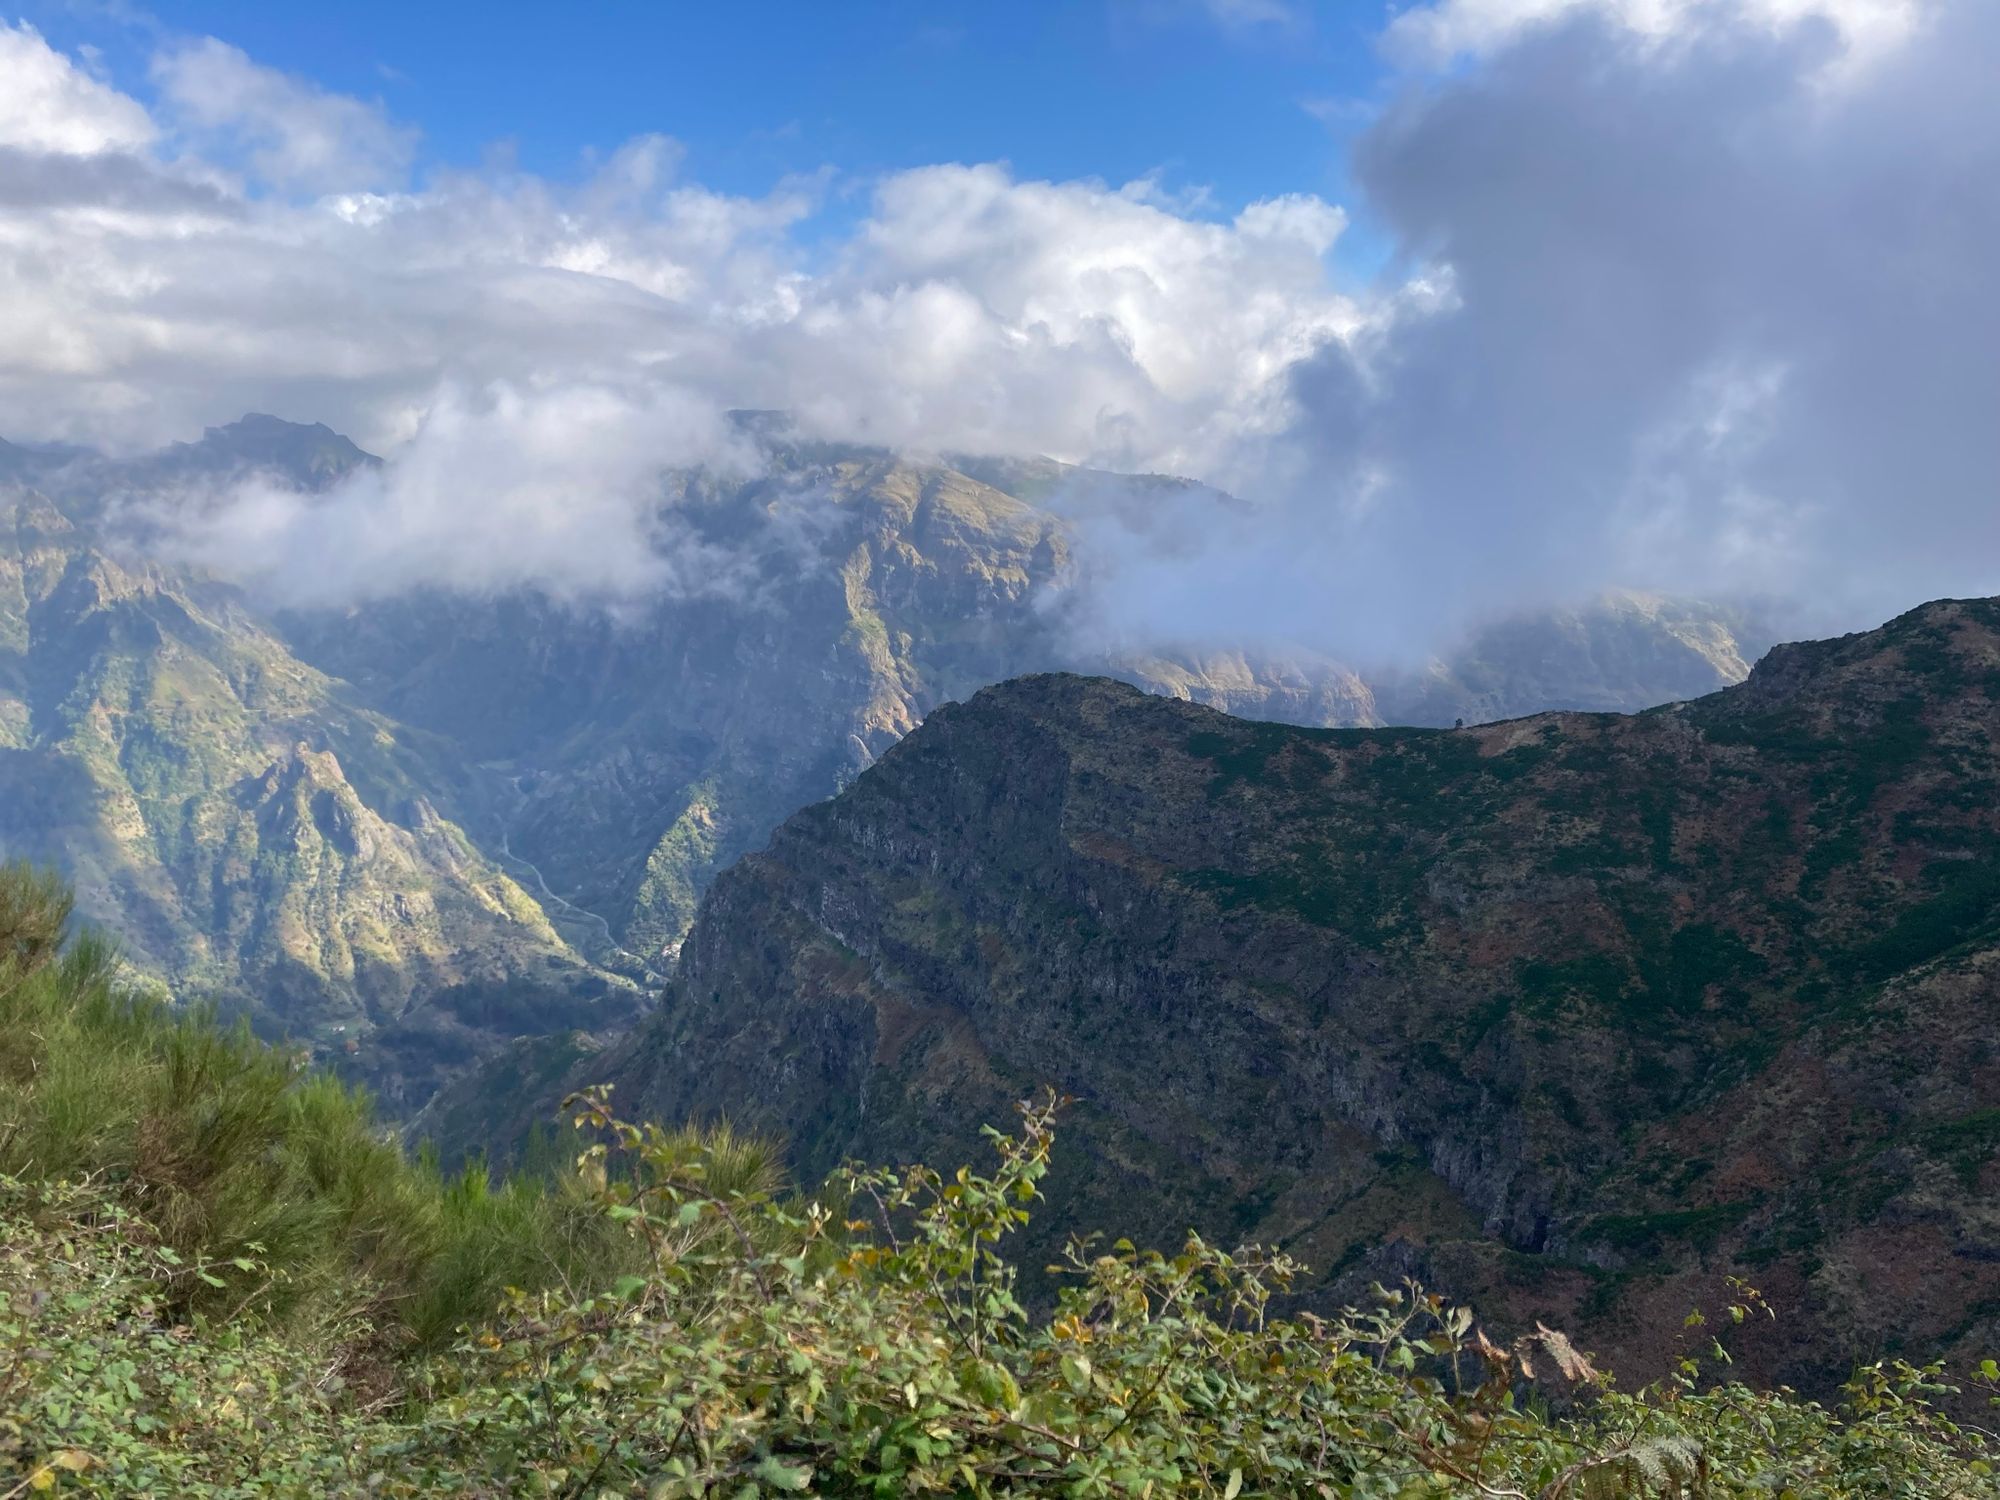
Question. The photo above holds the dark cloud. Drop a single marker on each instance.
(31, 179)
(1721, 316)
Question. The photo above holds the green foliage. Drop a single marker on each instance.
(1702, 954)
(1597, 979)
(1254, 754)
(229, 1150)
(219, 1282)
(1968, 900)
(34, 910)
(1645, 1232)
(869, 1341)
(1297, 887)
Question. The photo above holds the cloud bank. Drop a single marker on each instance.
(501, 488)
(1689, 294)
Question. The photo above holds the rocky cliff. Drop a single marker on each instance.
(647, 751)
(246, 827)
(368, 825)
(1575, 1014)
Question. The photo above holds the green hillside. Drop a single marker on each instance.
(249, 829)
(217, 1281)
(1573, 1015)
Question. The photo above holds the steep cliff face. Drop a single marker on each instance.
(246, 829)
(646, 751)
(508, 808)
(1577, 1013)
(855, 592)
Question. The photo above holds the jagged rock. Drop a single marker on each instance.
(220, 806)
(653, 750)
(333, 819)
(1575, 1014)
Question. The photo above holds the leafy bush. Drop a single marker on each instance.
(869, 1342)
(220, 1283)
(227, 1149)
(104, 1390)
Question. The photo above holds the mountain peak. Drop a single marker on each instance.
(1845, 676)
(255, 425)
(309, 454)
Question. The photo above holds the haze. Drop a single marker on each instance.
(1686, 295)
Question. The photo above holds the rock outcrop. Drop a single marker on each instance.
(1575, 1014)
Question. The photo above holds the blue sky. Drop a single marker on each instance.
(1115, 89)
(1478, 300)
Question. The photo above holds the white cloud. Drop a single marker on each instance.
(969, 309)
(1685, 318)
(1445, 30)
(49, 104)
(462, 325)
(1675, 314)
(1089, 322)
(500, 488)
(295, 134)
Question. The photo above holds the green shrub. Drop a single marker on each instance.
(227, 1149)
(222, 1283)
(869, 1342)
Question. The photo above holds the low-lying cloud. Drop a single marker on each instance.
(1689, 294)
(500, 489)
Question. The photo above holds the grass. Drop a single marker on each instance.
(229, 1149)
(218, 1279)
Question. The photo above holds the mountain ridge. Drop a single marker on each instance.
(597, 769)
(248, 830)
(1573, 1014)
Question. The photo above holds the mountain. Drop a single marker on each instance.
(405, 832)
(649, 750)
(1621, 652)
(250, 831)
(1572, 1015)
(307, 456)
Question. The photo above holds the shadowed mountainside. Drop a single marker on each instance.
(648, 751)
(1572, 1014)
(403, 833)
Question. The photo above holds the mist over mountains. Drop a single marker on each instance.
(403, 825)
(1302, 582)
(1688, 298)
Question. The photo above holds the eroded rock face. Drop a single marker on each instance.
(247, 828)
(506, 798)
(650, 751)
(1577, 1013)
